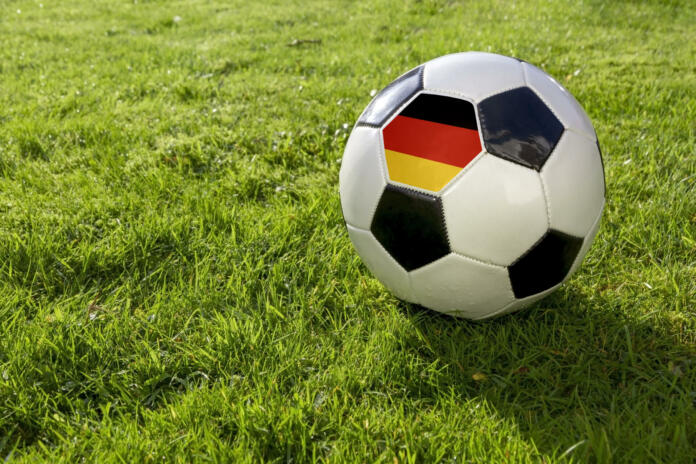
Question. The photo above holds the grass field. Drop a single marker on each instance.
(176, 282)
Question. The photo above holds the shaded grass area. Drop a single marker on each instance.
(176, 281)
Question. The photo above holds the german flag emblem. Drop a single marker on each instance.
(430, 141)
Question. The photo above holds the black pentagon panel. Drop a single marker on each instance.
(392, 97)
(518, 126)
(545, 264)
(410, 226)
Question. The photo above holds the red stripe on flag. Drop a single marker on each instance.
(453, 145)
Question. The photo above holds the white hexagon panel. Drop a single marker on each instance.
(361, 179)
(473, 75)
(495, 211)
(574, 180)
(462, 287)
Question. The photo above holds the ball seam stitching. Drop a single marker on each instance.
(547, 201)
(480, 261)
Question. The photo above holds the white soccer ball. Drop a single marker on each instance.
(472, 185)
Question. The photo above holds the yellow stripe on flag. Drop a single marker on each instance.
(419, 172)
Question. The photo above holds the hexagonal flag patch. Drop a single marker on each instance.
(430, 141)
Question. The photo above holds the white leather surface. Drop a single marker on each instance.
(361, 179)
(381, 264)
(474, 75)
(462, 287)
(561, 102)
(496, 211)
(574, 183)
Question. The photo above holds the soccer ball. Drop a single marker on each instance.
(472, 185)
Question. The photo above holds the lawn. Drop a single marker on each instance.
(177, 284)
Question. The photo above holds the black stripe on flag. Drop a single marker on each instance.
(442, 109)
